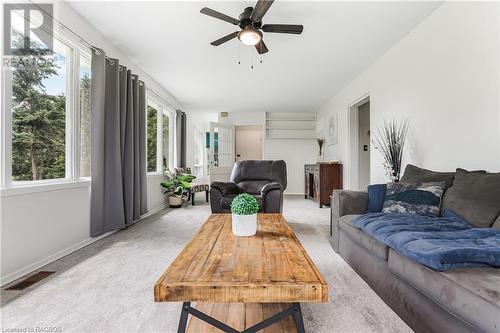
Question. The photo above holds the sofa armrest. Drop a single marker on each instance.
(349, 202)
(270, 187)
(226, 188)
(345, 203)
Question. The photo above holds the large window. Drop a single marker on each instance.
(166, 139)
(85, 134)
(152, 135)
(159, 135)
(48, 127)
(39, 99)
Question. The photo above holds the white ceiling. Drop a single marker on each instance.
(170, 41)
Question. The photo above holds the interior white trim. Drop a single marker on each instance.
(43, 186)
(53, 257)
(352, 167)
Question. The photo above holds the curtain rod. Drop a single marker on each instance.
(96, 49)
(68, 28)
(163, 99)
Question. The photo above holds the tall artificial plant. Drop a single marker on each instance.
(390, 141)
(321, 142)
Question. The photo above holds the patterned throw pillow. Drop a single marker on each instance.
(423, 199)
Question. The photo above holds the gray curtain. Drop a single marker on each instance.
(180, 121)
(119, 184)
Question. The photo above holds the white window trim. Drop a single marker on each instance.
(161, 109)
(72, 178)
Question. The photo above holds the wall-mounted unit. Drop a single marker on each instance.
(287, 125)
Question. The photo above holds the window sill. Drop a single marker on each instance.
(23, 189)
(155, 175)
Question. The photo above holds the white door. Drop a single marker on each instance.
(221, 156)
(248, 143)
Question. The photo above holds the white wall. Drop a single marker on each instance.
(40, 227)
(295, 153)
(443, 76)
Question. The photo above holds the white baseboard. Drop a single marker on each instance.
(293, 194)
(62, 253)
(53, 257)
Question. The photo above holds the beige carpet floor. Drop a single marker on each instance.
(108, 285)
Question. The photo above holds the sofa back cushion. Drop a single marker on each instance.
(423, 199)
(474, 196)
(416, 175)
(496, 224)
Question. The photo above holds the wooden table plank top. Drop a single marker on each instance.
(218, 267)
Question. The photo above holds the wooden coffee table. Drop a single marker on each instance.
(242, 284)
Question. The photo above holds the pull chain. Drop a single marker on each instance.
(251, 59)
(239, 54)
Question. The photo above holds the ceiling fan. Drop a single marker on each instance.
(250, 22)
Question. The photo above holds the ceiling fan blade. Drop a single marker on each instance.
(261, 47)
(220, 16)
(225, 38)
(283, 28)
(260, 10)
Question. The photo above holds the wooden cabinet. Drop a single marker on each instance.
(320, 180)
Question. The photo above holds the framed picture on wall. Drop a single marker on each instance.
(333, 129)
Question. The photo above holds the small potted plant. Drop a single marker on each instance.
(244, 208)
(177, 185)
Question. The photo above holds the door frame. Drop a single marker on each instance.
(217, 173)
(353, 141)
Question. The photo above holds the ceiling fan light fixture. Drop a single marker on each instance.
(250, 36)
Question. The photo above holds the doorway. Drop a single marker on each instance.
(359, 144)
(221, 151)
(248, 142)
(364, 145)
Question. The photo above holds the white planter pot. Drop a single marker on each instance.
(174, 202)
(244, 225)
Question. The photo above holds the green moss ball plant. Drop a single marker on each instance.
(244, 204)
(244, 208)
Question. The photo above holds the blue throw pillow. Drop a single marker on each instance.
(423, 199)
(376, 197)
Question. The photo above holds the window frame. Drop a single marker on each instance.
(162, 108)
(9, 186)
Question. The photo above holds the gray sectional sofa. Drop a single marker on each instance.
(458, 300)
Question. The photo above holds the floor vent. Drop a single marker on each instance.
(31, 280)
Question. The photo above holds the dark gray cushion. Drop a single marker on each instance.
(475, 197)
(226, 188)
(360, 237)
(416, 175)
(226, 202)
(496, 224)
(253, 186)
(470, 293)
